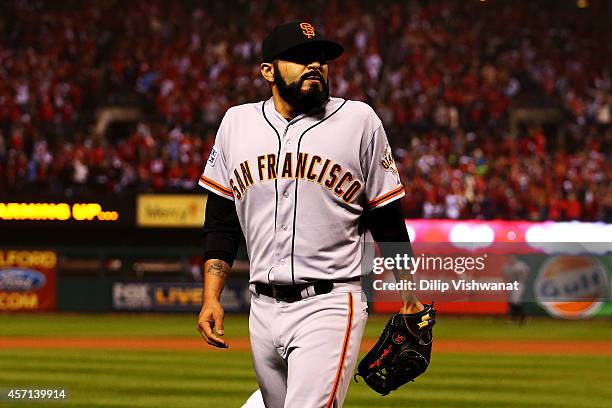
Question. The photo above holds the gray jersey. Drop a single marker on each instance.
(301, 186)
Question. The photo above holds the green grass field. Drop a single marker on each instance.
(118, 378)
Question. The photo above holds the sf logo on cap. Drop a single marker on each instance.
(307, 29)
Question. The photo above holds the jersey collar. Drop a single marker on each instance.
(271, 110)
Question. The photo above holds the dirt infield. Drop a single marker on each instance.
(440, 345)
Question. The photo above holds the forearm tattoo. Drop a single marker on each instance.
(406, 295)
(218, 268)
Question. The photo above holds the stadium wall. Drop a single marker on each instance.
(141, 253)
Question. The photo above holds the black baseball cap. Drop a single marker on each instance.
(299, 35)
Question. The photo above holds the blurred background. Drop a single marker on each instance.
(499, 113)
(496, 109)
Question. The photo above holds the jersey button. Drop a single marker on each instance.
(284, 228)
(282, 261)
(289, 143)
(286, 194)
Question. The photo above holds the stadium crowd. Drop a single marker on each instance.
(443, 76)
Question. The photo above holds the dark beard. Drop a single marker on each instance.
(301, 101)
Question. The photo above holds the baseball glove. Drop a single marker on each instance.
(402, 352)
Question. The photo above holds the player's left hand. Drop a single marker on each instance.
(411, 307)
(402, 353)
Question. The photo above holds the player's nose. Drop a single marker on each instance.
(318, 61)
(314, 68)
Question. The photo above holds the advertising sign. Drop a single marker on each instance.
(170, 211)
(573, 275)
(176, 296)
(27, 280)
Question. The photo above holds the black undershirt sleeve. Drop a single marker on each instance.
(387, 223)
(222, 231)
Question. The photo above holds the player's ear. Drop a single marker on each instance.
(267, 71)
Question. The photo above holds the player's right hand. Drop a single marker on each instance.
(210, 324)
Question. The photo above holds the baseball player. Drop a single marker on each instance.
(515, 270)
(301, 175)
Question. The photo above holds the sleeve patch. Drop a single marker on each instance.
(387, 161)
(212, 158)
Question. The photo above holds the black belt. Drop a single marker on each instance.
(293, 293)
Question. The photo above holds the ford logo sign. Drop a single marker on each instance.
(21, 280)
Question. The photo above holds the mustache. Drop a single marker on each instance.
(313, 75)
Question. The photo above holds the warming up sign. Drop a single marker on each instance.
(27, 280)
